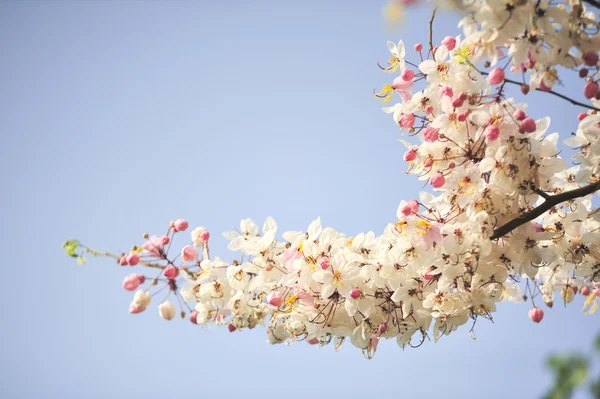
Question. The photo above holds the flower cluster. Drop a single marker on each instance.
(506, 218)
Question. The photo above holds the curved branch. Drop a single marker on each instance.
(550, 202)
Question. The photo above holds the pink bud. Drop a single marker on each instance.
(324, 263)
(418, 47)
(165, 240)
(519, 115)
(544, 86)
(596, 292)
(528, 125)
(141, 279)
(123, 260)
(205, 236)
(428, 162)
(355, 293)
(449, 42)
(430, 134)
(133, 259)
(313, 341)
(434, 49)
(189, 253)
(406, 120)
(459, 100)
(194, 317)
(536, 314)
(231, 327)
(131, 282)
(462, 117)
(451, 165)
(575, 289)
(524, 89)
(411, 208)
(429, 109)
(585, 290)
(438, 180)
(374, 342)
(275, 299)
(180, 225)
(269, 267)
(590, 90)
(582, 116)
(382, 328)
(410, 155)
(496, 76)
(407, 74)
(538, 228)
(590, 58)
(491, 133)
(133, 308)
(446, 91)
(171, 272)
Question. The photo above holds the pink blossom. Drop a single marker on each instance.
(355, 293)
(418, 47)
(189, 253)
(154, 246)
(194, 317)
(449, 42)
(544, 86)
(123, 261)
(410, 155)
(406, 120)
(438, 180)
(133, 259)
(431, 134)
(536, 314)
(205, 236)
(408, 74)
(374, 342)
(585, 290)
(231, 327)
(275, 299)
(446, 91)
(165, 240)
(491, 133)
(590, 58)
(528, 125)
(411, 208)
(324, 262)
(171, 272)
(402, 87)
(290, 255)
(582, 116)
(133, 308)
(382, 328)
(180, 225)
(428, 275)
(519, 115)
(590, 90)
(313, 341)
(131, 282)
(496, 76)
(459, 100)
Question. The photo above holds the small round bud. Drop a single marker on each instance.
(355, 293)
(582, 116)
(496, 76)
(194, 317)
(583, 72)
(590, 58)
(524, 89)
(180, 225)
(408, 74)
(166, 310)
(585, 290)
(313, 341)
(123, 260)
(449, 42)
(536, 314)
(171, 272)
(410, 155)
(231, 327)
(519, 115)
(145, 235)
(155, 281)
(141, 279)
(438, 180)
(189, 253)
(491, 133)
(418, 47)
(590, 90)
(269, 267)
(165, 240)
(528, 125)
(133, 259)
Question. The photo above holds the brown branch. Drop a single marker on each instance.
(548, 204)
(431, 33)
(117, 257)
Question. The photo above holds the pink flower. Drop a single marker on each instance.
(171, 272)
(446, 91)
(519, 115)
(590, 58)
(411, 208)
(373, 342)
(428, 275)
(459, 100)
(402, 87)
(406, 120)
(582, 116)
(290, 255)
(355, 293)
(430, 233)
(131, 282)
(491, 133)
(407, 74)
(496, 76)
(205, 235)
(275, 299)
(194, 317)
(189, 253)
(410, 155)
(528, 125)
(438, 180)
(431, 134)
(154, 246)
(313, 341)
(585, 291)
(165, 240)
(418, 47)
(324, 263)
(449, 42)
(231, 327)
(590, 90)
(180, 225)
(133, 259)
(382, 328)
(536, 314)
(544, 86)
(133, 308)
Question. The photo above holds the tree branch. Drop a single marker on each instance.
(550, 202)
(431, 33)
(593, 3)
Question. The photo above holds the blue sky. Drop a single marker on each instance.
(118, 117)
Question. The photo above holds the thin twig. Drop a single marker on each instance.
(431, 33)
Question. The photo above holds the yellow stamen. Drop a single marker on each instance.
(385, 94)
(301, 246)
(423, 226)
(337, 278)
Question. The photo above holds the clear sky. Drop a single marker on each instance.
(119, 116)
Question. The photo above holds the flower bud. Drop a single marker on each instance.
(428, 162)
(194, 317)
(166, 310)
(438, 180)
(275, 299)
(189, 253)
(141, 279)
(407, 74)
(355, 293)
(429, 109)
(142, 299)
(171, 272)
(431, 134)
(590, 90)
(491, 133)
(459, 100)
(123, 260)
(428, 275)
(313, 341)
(524, 89)
(418, 47)
(585, 290)
(411, 208)
(528, 125)
(165, 240)
(133, 259)
(410, 155)
(590, 58)
(406, 120)
(449, 42)
(583, 72)
(324, 262)
(269, 267)
(519, 115)
(582, 116)
(205, 235)
(180, 225)
(231, 327)
(496, 76)
(131, 282)
(134, 309)
(462, 117)
(536, 314)
(382, 328)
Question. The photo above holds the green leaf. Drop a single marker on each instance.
(70, 247)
